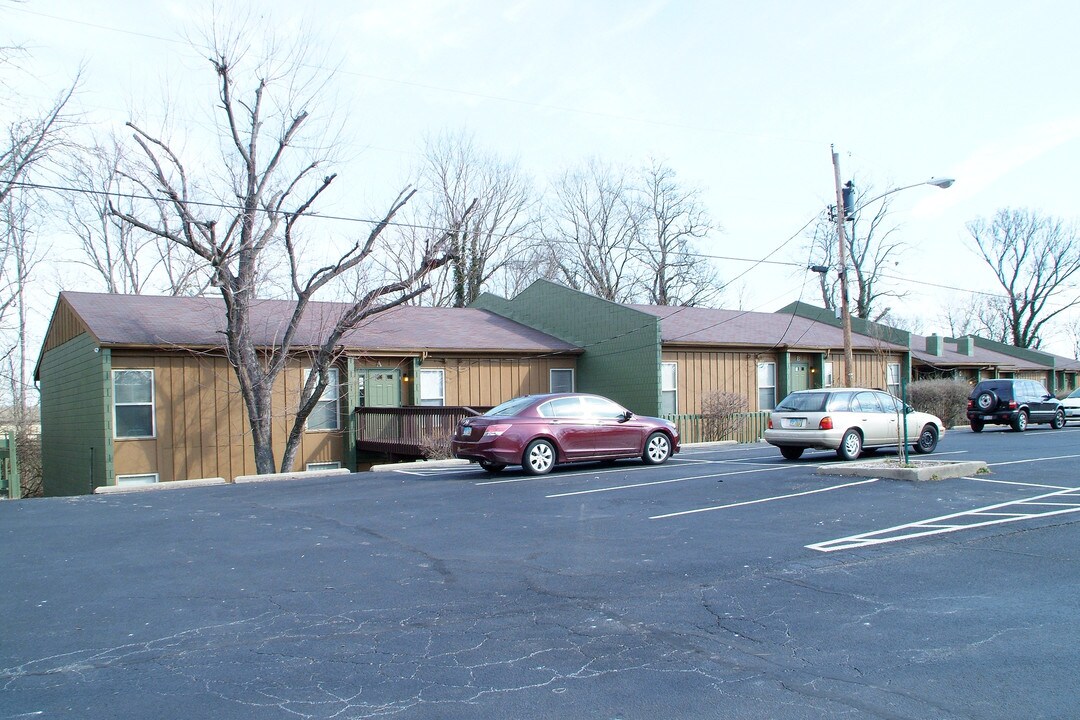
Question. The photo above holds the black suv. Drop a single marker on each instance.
(1015, 403)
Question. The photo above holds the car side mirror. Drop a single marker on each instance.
(626, 416)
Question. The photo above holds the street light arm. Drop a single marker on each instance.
(942, 183)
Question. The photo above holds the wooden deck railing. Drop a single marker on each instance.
(406, 431)
(744, 427)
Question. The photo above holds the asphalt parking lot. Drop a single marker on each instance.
(728, 583)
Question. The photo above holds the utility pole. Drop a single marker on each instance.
(841, 236)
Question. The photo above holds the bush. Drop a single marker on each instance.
(436, 447)
(720, 414)
(946, 398)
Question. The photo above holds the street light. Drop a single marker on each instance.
(841, 235)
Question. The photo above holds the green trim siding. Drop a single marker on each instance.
(621, 357)
(76, 418)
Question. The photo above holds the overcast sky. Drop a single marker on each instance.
(743, 99)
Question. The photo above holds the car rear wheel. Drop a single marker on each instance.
(928, 440)
(851, 445)
(492, 467)
(1021, 422)
(1059, 420)
(792, 453)
(657, 449)
(986, 400)
(976, 426)
(539, 458)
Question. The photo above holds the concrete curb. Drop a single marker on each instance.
(299, 475)
(922, 470)
(419, 465)
(173, 485)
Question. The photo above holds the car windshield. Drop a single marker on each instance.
(803, 402)
(1075, 393)
(511, 407)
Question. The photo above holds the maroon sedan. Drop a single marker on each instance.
(540, 431)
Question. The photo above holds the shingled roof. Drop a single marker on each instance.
(164, 321)
(707, 326)
(985, 356)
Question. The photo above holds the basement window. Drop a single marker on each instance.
(146, 479)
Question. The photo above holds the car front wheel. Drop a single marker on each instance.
(1021, 422)
(851, 446)
(539, 458)
(928, 440)
(1059, 420)
(657, 449)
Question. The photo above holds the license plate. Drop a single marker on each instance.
(987, 417)
(797, 422)
(466, 431)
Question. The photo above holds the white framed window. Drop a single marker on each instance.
(133, 404)
(561, 380)
(335, 465)
(144, 479)
(432, 387)
(327, 412)
(826, 375)
(766, 385)
(892, 378)
(669, 388)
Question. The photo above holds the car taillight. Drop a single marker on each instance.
(971, 404)
(770, 422)
(495, 430)
(825, 424)
(1013, 405)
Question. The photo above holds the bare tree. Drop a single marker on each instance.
(823, 251)
(1034, 258)
(19, 254)
(30, 139)
(982, 315)
(672, 218)
(457, 175)
(273, 182)
(590, 228)
(872, 248)
(126, 259)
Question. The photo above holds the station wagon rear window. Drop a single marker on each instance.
(804, 402)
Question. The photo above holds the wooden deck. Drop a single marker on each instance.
(407, 431)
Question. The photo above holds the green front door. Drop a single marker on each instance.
(799, 378)
(382, 387)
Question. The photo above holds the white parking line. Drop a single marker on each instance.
(1022, 484)
(1031, 460)
(955, 521)
(761, 500)
(668, 482)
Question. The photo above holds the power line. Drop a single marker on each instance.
(396, 223)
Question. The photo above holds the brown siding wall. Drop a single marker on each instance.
(202, 427)
(1039, 375)
(201, 423)
(869, 371)
(702, 372)
(63, 326)
(490, 381)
